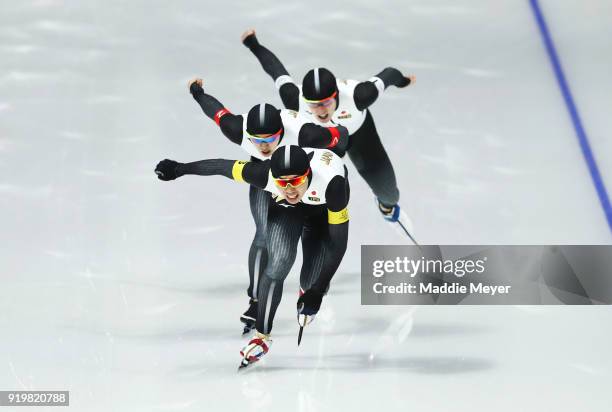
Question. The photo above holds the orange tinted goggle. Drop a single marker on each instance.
(321, 103)
(293, 182)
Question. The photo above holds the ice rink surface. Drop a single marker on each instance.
(127, 291)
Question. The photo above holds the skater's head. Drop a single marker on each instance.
(320, 93)
(264, 128)
(290, 168)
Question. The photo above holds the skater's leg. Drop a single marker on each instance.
(270, 295)
(259, 201)
(282, 235)
(372, 162)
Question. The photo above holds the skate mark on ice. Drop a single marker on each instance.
(430, 365)
(419, 330)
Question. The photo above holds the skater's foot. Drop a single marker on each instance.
(390, 213)
(255, 350)
(249, 316)
(394, 214)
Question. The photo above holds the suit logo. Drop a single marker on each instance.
(326, 157)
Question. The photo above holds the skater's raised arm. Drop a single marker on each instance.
(253, 173)
(337, 197)
(367, 92)
(289, 92)
(320, 137)
(230, 124)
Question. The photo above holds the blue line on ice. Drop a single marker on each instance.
(573, 111)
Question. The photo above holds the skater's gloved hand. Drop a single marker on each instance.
(195, 84)
(308, 305)
(402, 81)
(410, 79)
(249, 39)
(392, 76)
(167, 170)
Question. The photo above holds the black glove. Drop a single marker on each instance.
(403, 82)
(251, 41)
(309, 303)
(195, 89)
(167, 170)
(392, 76)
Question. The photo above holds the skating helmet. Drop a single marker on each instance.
(289, 160)
(263, 119)
(319, 84)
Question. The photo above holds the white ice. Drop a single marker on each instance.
(127, 291)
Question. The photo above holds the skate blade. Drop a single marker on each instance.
(404, 229)
(401, 230)
(246, 365)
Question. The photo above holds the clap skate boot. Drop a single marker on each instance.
(402, 223)
(255, 350)
(249, 317)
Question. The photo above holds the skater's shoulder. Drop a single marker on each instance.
(324, 156)
(289, 114)
(292, 120)
(346, 85)
(326, 163)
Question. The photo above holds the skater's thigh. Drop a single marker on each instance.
(282, 236)
(259, 202)
(366, 151)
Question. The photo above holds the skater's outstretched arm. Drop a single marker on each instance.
(230, 124)
(367, 92)
(289, 92)
(253, 173)
(337, 197)
(319, 137)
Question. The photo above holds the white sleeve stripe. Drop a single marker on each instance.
(380, 85)
(282, 80)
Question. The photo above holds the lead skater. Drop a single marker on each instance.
(311, 193)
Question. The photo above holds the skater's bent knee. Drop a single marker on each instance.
(260, 239)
